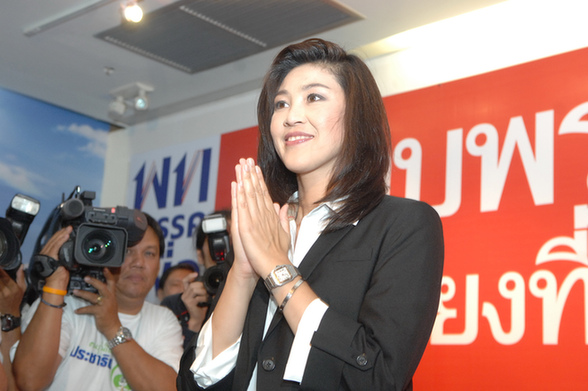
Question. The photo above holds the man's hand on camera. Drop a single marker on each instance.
(60, 278)
(103, 305)
(194, 293)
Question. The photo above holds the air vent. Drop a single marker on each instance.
(195, 35)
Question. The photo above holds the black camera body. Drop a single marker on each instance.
(99, 239)
(219, 244)
(215, 228)
(13, 229)
(10, 258)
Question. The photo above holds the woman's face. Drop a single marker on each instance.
(307, 124)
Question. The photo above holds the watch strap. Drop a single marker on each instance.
(9, 322)
(122, 335)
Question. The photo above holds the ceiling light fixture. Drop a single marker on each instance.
(131, 11)
(140, 102)
(118, 106)
(130, 96)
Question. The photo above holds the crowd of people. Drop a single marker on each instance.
(332, 284)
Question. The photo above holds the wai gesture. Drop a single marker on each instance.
(262, 234)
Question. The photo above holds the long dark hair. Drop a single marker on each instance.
(359, 177)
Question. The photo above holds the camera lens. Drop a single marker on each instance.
(9, 246)
(213, 277)
(3, 244)
(99, 246)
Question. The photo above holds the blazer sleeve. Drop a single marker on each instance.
(380, 348)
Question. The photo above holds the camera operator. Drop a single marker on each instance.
(112, 339)
(11, 297)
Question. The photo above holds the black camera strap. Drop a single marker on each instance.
(44, 265)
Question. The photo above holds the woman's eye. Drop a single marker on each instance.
(280, 105)
(314, 97)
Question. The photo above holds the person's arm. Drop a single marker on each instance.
(227, 321)
(11, 294)
(39, 344)
(264, 231)
(381, 347)
(141, 370)
(194, 294)
(231, 308)
(3, 379)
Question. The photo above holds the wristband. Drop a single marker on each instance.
(59, 292)
(60, 306)
(290, 294)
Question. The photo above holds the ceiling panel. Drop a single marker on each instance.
(196, 35)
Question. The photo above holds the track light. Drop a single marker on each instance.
(140, 102)
(131, 11)
(118, 106)
(130, 96)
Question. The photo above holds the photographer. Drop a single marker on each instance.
(11, 297)
(191, 304)
(180, 291)
(112, 339)
(171, 281)
(20, 213)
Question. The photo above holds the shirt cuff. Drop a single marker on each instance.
(309, 323)
(207, 370)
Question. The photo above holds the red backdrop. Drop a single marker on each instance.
(502, 156)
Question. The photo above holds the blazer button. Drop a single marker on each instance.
(361, 360)
(268, 364)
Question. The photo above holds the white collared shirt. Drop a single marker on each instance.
(208, 371)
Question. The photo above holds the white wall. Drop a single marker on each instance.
(503, 35)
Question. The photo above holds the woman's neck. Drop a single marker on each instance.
(309, 194)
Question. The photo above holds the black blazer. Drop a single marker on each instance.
(381, 279)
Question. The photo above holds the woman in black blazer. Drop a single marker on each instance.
(335, 285)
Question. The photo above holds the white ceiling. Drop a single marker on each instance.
(65, 64)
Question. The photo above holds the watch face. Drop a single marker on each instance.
(282, 274)
(123, 335)
(126, 333)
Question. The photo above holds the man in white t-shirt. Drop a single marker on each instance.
(109, 340)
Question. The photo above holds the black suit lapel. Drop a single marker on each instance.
(320, 249)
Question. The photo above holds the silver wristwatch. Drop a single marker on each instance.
(282, 274)
(122, 335)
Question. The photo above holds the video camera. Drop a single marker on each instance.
(13, 230)
(99, 239)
